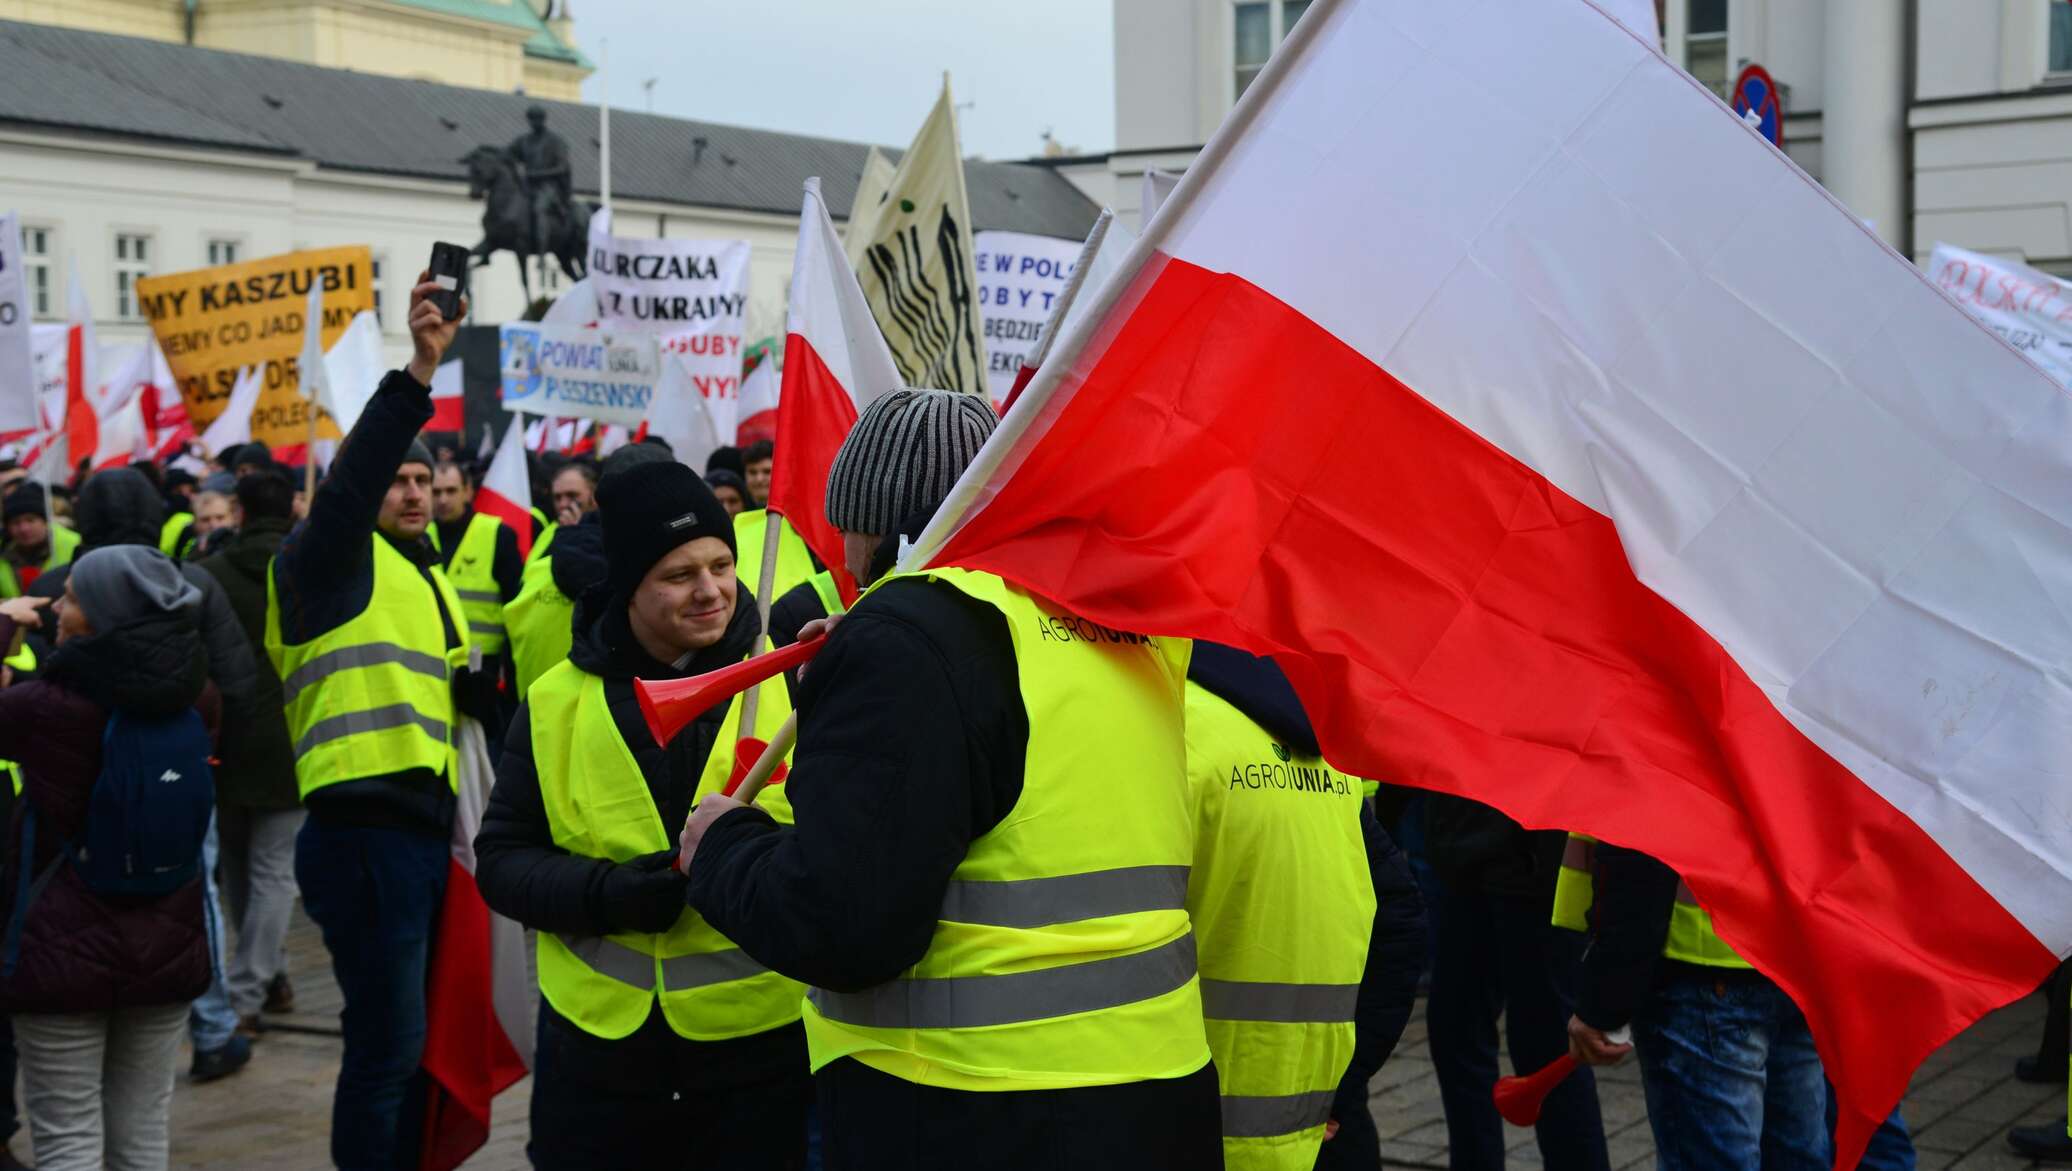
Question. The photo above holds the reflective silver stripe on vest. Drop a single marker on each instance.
(1266, 1117)
(366, 654)
(1235, 1000)
(490, 596)
(1040, 902)
(485, 628)
(380, 719)
(610, 958)
(972, 1002)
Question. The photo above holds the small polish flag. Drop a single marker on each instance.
(447, 399)
(506, 488)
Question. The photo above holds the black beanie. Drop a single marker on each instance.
(25, 500)
(648, 510)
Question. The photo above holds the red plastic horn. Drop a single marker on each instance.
(669, 704)
(1519, 1099)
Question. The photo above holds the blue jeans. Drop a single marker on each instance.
(1731, 1076)
(1498, 954)
(211, 1020)
(1891, 1147)
(375, 894)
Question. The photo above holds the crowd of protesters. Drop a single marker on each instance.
(1032, 893)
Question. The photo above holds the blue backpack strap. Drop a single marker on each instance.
(26, 891)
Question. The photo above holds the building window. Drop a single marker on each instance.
(1705, 43)
(222, 252)
(2060, 36)
(1257, 28)
(36, 270)
(132, 260)
(377, 290)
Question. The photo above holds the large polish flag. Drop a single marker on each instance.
(1613, 474)
(836, 363)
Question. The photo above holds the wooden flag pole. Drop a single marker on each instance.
(309, 457)
(766, 764)
(762, 608)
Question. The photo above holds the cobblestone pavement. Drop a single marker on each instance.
(275, 1115)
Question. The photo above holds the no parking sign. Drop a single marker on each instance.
(1754, 90)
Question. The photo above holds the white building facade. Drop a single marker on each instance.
(1935, 120)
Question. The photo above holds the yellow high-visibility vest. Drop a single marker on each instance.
(537, 622)
(794, 560)
(172, 530)
(374, 695)
(598, 806)
(1062, 955)
(1691, 937)
(1282, 901)
(472, 571)
(23, 659)
(64, 544)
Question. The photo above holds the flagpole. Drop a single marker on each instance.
(1003, 445)
(771, 523)
(604, 123)
(309, 456)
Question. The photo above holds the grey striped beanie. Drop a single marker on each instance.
(903, 457)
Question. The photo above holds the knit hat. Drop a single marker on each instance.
(903, 457)
(648, 510)
(728, 458)
(255, 454)
(722, 478)
(119, 584)
(632, 456)
(26, 498)
(221, 483)
(418, 454)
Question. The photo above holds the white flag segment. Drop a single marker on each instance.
(353, 367)
(234, 425)
(1661, 366)
(828, 309)
(506, 491)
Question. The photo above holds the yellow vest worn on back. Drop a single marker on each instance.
(537, 620)
(64, 544)
(1062, 956)
(472, 571)
(374, 695)
(794, 560)
(1691, 938)
(598, 806)
(174, 528)
(1283, 906)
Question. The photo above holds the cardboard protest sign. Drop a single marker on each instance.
(691, 294)
(1019, 279)
(2030, 308)
(213, 322)
(17, 353)
(571, 372)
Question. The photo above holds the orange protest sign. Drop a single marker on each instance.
(213, 322)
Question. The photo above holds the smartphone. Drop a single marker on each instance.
(449, 268)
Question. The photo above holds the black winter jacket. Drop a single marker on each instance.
(523, 875)
(1396, 946)
(120, 507)
(324, 576)
(1633, 898)
(258, 765)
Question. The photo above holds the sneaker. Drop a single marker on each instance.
(280, 995)
(221, 1062)
(2049, 1144)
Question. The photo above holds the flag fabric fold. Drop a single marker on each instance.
(506, 489)
(835, 364)
(448, 399)
(1625, 482)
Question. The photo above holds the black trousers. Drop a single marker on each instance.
(874, 1122)
(1498, 954)
(592, 1114)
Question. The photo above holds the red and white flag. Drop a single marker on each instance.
(1101, 257)
(448, 398)
(835, 364)
(506, 488)
(478, 996)
(82, 425)
(760, 393)
(1609, 472)
(232, 426)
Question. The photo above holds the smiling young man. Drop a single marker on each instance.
(369, 640)
(656, 1030)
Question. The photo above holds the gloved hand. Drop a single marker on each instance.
(645, 893)
(474, 693)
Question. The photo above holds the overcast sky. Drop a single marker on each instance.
(866, 70)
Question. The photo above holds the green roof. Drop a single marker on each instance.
(516, 14)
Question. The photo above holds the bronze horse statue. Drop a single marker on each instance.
(496, 178)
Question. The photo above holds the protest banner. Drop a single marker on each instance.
(213, 322)
(1019, 279)
(2030, 308)
(570, 372)
(691, 294)
(17, 353)
(918, 270)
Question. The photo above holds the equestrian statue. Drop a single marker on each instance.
(528, 208)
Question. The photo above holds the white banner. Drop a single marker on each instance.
(17, 357)
(2030, 308)
(1019, 279)
(691, 294)
(572, 373)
